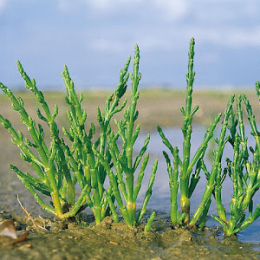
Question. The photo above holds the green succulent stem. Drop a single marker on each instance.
(181, 174)
(122, 179)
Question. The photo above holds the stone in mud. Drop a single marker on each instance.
(7, 228)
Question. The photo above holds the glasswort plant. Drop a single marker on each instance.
(181, 172)
(59, 167)
(122, 176)
(85, 161)
(86, 167)
(88, 157)
(243, 171)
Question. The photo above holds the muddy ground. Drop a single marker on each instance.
(58, 240)
(55, 240)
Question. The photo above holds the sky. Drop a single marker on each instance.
(94, 38)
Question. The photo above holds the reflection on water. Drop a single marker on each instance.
(160, 199)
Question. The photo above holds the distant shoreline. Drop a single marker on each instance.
(156, 106)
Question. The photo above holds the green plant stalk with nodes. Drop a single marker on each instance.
(88, 169)
(243, 173)
(49, 181)
(212, 179)
(60, 167)
(125, 166)
(180, 174)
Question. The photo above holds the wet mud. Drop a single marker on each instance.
(50, 239)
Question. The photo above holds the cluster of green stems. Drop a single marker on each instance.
(243, 169)
(88, 157)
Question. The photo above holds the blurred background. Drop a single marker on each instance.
(95, 37)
